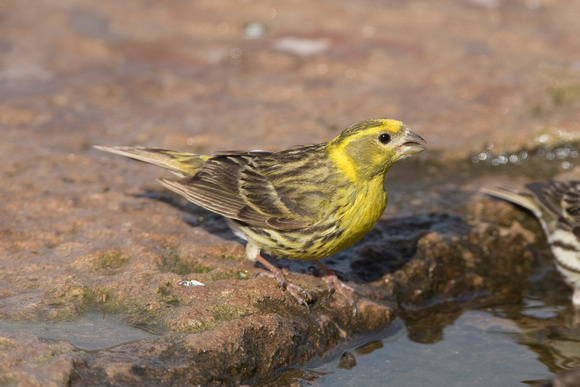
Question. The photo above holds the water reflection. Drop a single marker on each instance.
(477, 350)
(520, 343)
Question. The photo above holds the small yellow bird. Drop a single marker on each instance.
(305, 203)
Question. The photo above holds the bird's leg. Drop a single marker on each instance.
(275, 272)
(334, 283)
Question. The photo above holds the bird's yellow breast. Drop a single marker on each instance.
(361, 213)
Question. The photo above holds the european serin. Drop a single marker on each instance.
(305, 203)
(556, 204)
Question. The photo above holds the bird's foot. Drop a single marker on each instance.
(296, 291)
(333, 282)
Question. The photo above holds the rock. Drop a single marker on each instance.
(85, 234)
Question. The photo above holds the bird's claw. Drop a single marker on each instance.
(333, 282)
(296, 291)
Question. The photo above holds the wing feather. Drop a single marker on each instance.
(560, 199)
(233, 184)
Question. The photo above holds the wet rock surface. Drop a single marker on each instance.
(233, 330)
(84, 233)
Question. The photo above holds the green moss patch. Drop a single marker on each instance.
(174, 262)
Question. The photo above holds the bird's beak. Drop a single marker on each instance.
(412, 144)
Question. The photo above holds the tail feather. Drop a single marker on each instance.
(181, 163)
(521, 199)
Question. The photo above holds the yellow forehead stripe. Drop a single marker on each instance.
(392, 125)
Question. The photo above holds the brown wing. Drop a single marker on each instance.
(560, 198)
(233, 185)
(571, 202)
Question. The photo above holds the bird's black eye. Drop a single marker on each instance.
(384, 138)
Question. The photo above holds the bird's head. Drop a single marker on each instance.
(369, 148)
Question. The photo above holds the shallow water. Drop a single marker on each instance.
(478, 350)
(506, 345)
(91, 332)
